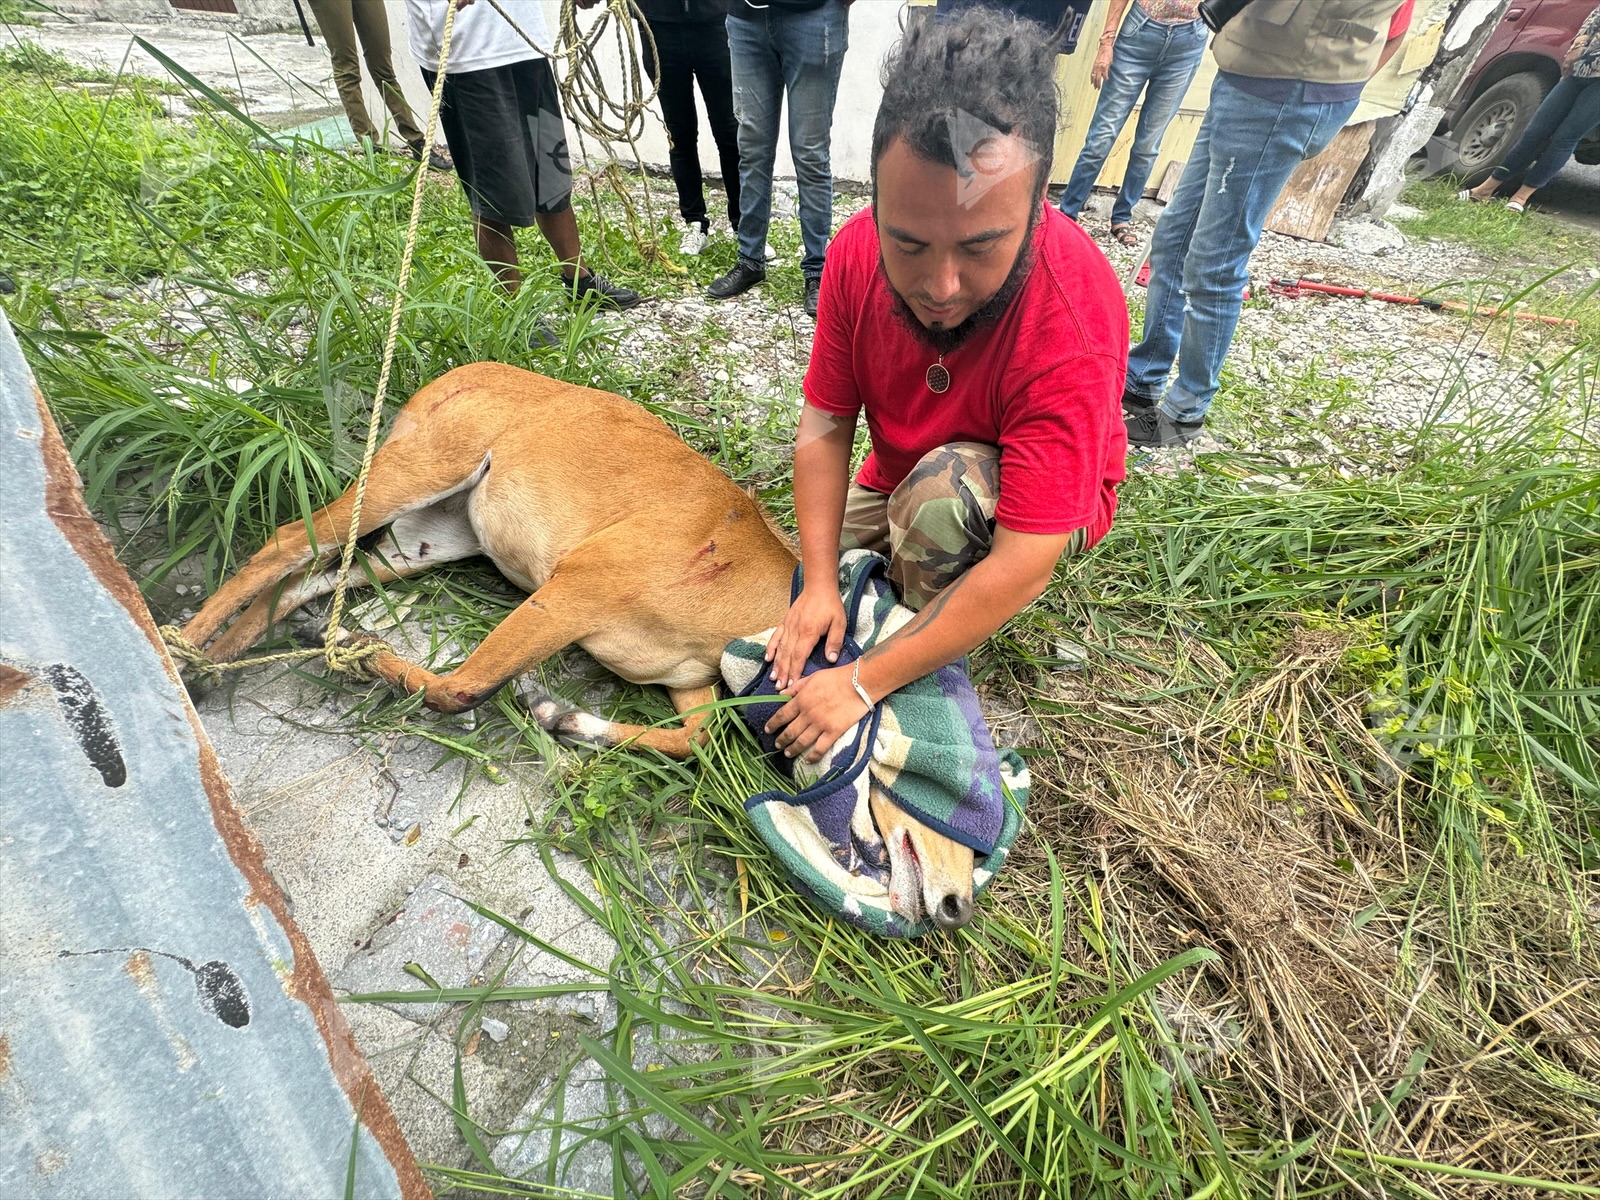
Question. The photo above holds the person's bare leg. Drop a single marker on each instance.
(1487, 188)
(497, 242)
(1524, 194)
(560, 229)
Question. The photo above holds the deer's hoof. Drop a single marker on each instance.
(351, 638)
(546, 711)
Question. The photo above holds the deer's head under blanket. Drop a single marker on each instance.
(855, 836)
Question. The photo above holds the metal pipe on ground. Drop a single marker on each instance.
(1292, 288)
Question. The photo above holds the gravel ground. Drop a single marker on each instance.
(1389, 363)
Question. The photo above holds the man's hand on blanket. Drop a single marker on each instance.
(818, 613)
(823, 708)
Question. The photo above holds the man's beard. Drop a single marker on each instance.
(944, 341)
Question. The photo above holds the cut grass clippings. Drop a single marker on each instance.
(1306, 901)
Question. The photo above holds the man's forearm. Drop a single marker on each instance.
(953, 623)
(821, 482)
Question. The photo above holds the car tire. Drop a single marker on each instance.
(1492, 124)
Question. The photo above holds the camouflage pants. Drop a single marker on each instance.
(935, 525)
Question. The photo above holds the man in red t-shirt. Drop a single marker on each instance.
(986, 339)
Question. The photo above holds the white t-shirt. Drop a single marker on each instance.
(481, 38)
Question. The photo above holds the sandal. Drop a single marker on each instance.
(1125, 235)
(1516, 205)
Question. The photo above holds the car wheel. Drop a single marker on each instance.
(1492, 123)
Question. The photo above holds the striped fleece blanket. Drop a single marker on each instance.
(927, 746)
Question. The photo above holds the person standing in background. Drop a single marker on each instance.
(341, 23)
(794, 48)
(501, 113)
(691, 42)
(1290, 77)
(1564, 119)
(1157, 52)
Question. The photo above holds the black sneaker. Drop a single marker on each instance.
(1151, 428)
(1133, 404)
(611, 296)
(813, 290)
(437, 159)
(742, 278)
(543, 337)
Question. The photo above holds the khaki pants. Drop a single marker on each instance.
(341, 22)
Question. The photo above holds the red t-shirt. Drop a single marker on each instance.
(1044, 383)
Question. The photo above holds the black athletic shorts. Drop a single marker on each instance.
(505, 133)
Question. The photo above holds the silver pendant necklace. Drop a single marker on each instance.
(938, 377)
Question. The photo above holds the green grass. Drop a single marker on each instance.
(1494, 231)
(1306, 902)
(19, 12)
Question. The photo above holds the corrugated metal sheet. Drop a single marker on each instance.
(164, 1029)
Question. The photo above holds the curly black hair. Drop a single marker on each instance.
(991, 64)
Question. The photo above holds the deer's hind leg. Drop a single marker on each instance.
(408, 473)
(561, 612)
(692, 702)
(414, 542)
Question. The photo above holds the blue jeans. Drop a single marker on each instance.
(1159, 60)
(799, 53)
(1245, 152)
(1568, 113)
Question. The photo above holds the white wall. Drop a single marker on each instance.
(874, 27)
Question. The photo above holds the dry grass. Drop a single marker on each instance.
(1344, 1005)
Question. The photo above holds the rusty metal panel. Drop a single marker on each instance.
(164, 1027)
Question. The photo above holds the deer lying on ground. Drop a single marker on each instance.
(631, 545)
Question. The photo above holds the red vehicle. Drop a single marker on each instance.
(1519, 65)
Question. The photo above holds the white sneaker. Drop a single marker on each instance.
(768, 253)
(694, 241)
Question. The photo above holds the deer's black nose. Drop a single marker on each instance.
(953, 912)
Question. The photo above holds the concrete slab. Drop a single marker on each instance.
(555, 1143)
(336, 810)
(279, 80)
(434, 932)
